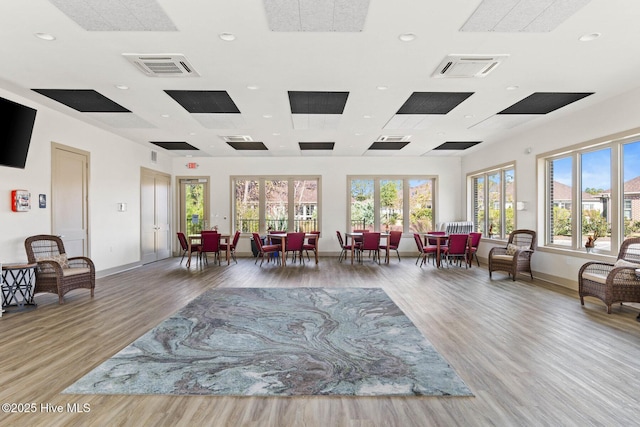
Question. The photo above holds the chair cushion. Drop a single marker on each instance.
(75, 271)
(60, 259)
(511, 248)
(508, 258)
(594, 277)
(626, 274)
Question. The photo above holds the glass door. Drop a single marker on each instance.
(194, 205)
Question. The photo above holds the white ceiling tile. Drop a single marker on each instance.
(503, 121)
(411, 121)
(220, 120)
(121, 120)
(116, 15)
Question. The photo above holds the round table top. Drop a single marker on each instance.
(18, 266)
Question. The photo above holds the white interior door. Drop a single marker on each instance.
(155, 193)
(69, 198)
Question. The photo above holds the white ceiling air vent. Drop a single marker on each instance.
(237, 138)
(468, 65)
(162, 65)
(393, 138)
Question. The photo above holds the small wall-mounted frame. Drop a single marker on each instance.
(122, 207)
(521, 206)
(42, 201)
(20, 200)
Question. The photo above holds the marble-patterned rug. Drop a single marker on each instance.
(280, 342)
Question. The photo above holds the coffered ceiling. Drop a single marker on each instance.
(319, 77)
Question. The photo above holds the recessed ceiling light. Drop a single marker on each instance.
(514, 87)
(267, 116)
(440, 133)
(275, 134)
(383, 87)
(358, 134)
(366, 116)
(589, 37)
(165, 115)
(189, 155)
(45, 36)
(468, 116)
(228, 37)
(122, 87)
(192, 133)
(252, 87)
(407, 37)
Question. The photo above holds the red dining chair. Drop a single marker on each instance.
(312, 244)
(423, 251)
(184, 246)
(210, 244)
(393, 243)
(457, 249)
(473, 248)
(345, 248)
(295, 244)
(265, 249)
(371, 243)
(232, 246)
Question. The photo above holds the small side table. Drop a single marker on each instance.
(18, 282)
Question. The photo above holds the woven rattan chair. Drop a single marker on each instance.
(616, 282)
(56, 273)
(516, 257)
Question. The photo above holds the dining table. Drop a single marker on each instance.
(355, 235)
(440, 239)
(282, 237)
(197, 238)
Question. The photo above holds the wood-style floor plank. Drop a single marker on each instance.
(527, 350)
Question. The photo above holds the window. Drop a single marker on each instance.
(493, 201)
(391, 203)
(276, 203)
(593, 191)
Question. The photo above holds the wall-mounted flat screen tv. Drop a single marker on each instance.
(15, 133)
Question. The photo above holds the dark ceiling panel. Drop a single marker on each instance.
(544, 102)
(378, 145)
(204, 101)
(174, 145)
(433, 102)
(316, 145)
(457, 145)
(83, 100)
(317, 102)
(247, 145)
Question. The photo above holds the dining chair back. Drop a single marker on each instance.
(371, 242)
(312, 243)
(265, 249)
(457, 249)
(434, 240)
(423, 251)
(184, 247)
(232, 245)
(475, 242)
(295, 245)
(344, 248)
(393, 240)
(210, 244)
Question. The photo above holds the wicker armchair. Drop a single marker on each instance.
(516, 257)
(55, 272)
(613, 282)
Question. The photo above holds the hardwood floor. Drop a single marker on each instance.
(528, 351)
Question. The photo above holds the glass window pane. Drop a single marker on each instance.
(194, 208)
(595, 177)
(247, 197)
(631, 168)
(509, 201)
(277, 204)
(391, 205)
(495, 204)
(362, 204)
(478, 205)
(560, 201)
(420, 205)
(305, 201)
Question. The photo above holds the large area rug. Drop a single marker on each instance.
(280, 342)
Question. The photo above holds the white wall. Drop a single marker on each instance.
(114, 177)
(334, 172)
(612, 116)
